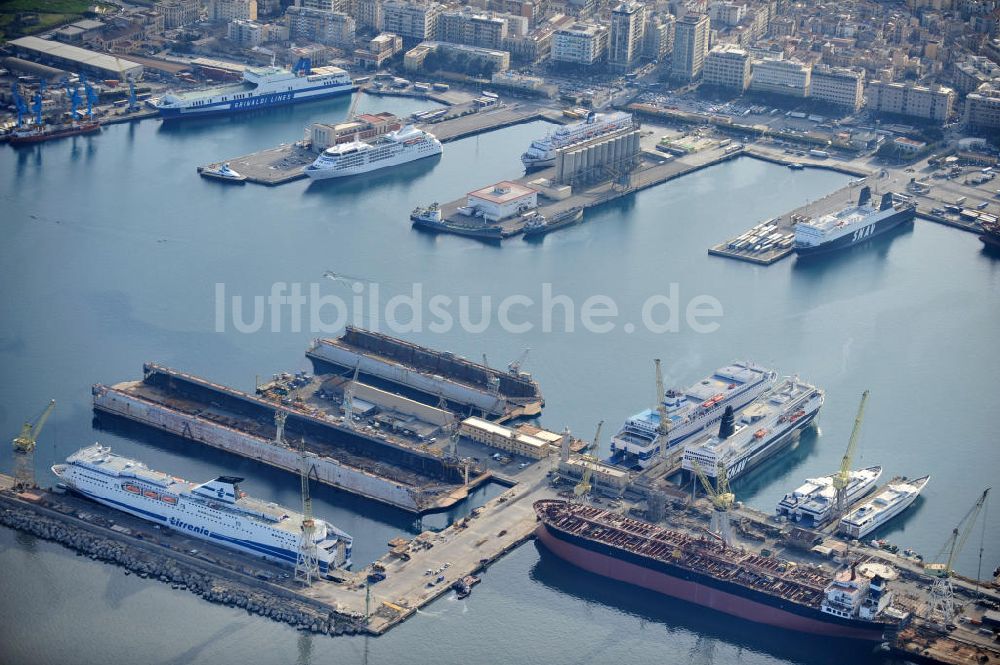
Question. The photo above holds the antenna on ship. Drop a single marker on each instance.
(307, 562)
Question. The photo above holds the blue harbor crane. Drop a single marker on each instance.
(19, 104)
(37, 106)
(73, 94)
(92, 97)
(132, 104)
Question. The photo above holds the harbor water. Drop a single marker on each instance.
(115, 252)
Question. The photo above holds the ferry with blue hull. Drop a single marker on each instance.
(851, 226)
(262, 87)
(216, 511)
(690, 411)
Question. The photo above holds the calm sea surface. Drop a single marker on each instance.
(113, 252)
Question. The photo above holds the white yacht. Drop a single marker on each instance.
(891, 501)
(812, 504)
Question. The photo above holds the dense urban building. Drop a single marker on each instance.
(367, 14)
(232, 10)
(475, 29)
(928, 103)
(245, 33)
(781, 77)
(839, 86)
(982, 110)
(411, 20)
(380, 50)
(580, 44)
(323, 27)
(727, 66)
(178, 13)
(414, 60)
(628, 22)
(691, 35)
(658, 37)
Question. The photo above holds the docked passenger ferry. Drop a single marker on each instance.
(217, 511)
(690, 411)
(262, 87)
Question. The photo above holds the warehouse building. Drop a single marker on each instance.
(75, 59)
(504, 438)
(502, 200)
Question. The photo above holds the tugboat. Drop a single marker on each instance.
(222, 172)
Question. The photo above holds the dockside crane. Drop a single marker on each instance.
(843, 476)
(307, 561)
(722, 499)
(92, 98)
(663, 429)
(349, 399)
(24, 448)
(942, 598)
(514, 366)
(583, 487)
(73, 94)
(37, 106)
(19, 104)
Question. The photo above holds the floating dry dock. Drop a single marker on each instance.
(378, 466)
(430, 376)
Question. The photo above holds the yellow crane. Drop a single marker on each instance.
(24, 446)
(663, 429)
(942, 598)
(307, 561)
(843, 476)
(722, 499)
(583, 487)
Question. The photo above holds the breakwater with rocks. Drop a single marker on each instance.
(177, 569)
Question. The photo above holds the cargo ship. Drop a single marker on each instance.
(737, 582)
(538, 225)
(852, 225)
(812, 504)
(889, 502)
(217, 511)
(690, 411)
(758, 432)
(262, 87)
(39, 133)
(991, 235)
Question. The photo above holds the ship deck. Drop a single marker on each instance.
(798, 584)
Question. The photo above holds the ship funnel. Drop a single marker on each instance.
(727, 427)
(886, 201)
(866, 195)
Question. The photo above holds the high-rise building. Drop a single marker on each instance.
(781, 77)
(727, 66)
(245, 33)
(982, 109)
(329, 28)
(658, 38)
(690, 47)
(839, 86)
(466, 27)
(410, 19)
(178, 13)
(232, 10)
(581, 44)
(913, 100)
(324, 5)
(628, 23)
(367, 13)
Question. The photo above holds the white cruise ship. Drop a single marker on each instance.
(262, 87)
(542, 152)
(392, 149)
(690, 411)
(891, 501)
(217, 511)
(813, 503)
(761, 430)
